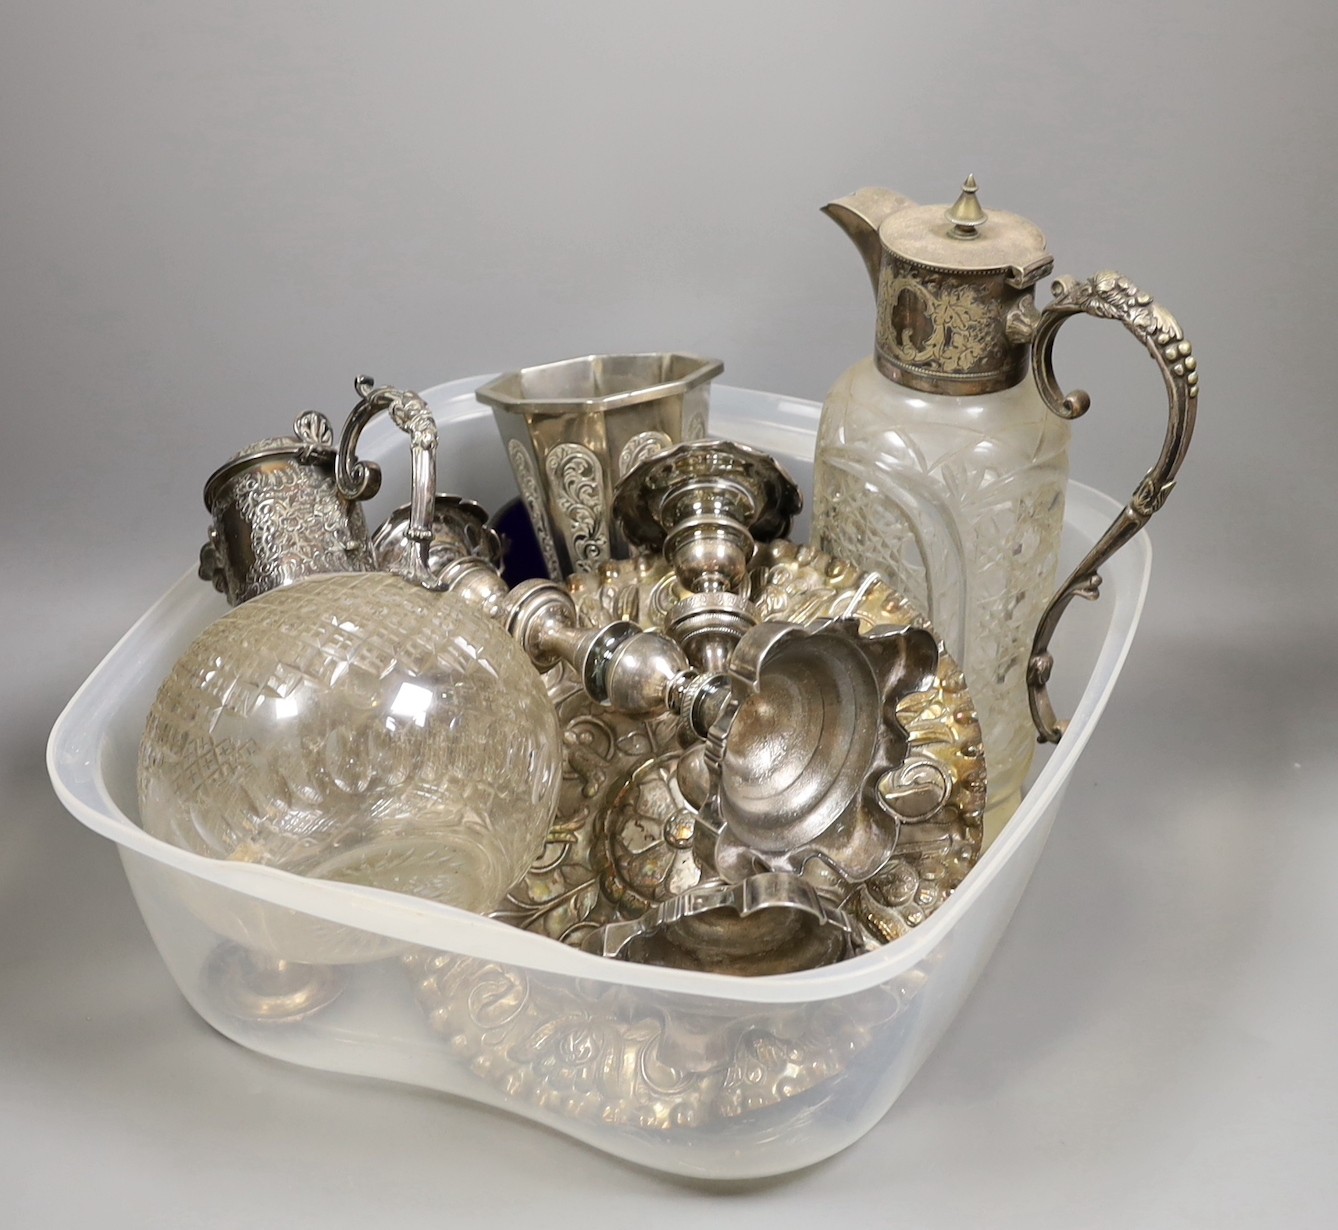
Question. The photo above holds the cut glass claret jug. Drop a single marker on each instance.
(942, 459)
(345, 722)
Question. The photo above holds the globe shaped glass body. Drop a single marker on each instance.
(359, 728)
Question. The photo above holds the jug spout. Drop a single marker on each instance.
(860, 215)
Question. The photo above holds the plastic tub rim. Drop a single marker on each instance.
(74, 763)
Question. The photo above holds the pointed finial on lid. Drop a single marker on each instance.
(966, 215)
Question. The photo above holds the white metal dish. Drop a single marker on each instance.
(687, 1072)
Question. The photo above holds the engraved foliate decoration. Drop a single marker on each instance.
(527, 479)
(287, 532)
(695, 426)
(942, 323)
(277, 516)
(577, 486)
(623, 837)
(644, 444)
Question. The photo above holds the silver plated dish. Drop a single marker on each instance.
(623, 836)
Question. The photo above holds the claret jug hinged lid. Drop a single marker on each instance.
(955, 287)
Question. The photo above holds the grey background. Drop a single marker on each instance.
(211, 215)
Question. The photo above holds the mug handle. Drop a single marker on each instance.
(1107, 296)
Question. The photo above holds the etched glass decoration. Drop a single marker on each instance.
(959, 503)
(357, 728)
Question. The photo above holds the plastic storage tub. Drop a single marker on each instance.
(692, 1073)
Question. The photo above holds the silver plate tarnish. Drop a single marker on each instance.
(638, 1058)
(634, 1057)
(278, 515)
(575, 427)
(803, 585)
(577, 485)
(768, 923)
(649, 831)
(639, 447)
(574, 886)
(603, 861)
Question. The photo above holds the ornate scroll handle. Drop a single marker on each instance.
(360, 480)
(1108, 296)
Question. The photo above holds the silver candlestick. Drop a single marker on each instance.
(706, 505)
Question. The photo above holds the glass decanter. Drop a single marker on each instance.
(942, 467)
(344, 723)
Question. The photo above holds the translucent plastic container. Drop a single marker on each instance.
(692, 1073)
